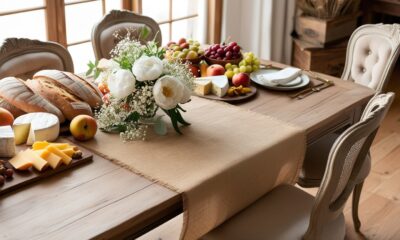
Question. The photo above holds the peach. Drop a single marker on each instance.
(215, 70)
(6, 118)
(83, 127)
(241, 79)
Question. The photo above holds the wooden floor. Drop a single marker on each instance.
(380, 199)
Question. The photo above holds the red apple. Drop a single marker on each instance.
(195, 70)
(184, 45)
(241, 79)
(182, 40)
(215, 70)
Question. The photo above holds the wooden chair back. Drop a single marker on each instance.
(22, 57)
(344, 163)
(104, 32)
(372, 54)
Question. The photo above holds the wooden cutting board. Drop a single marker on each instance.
(23, 178)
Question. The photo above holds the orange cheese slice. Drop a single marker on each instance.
(53, 160)
(21, 161)
(43, 144)
(39, 163)
(69, 151)
(65, 158)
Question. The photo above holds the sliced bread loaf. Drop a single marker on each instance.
(16, 112)
(75, 85)
(16, 92)
(57, 94)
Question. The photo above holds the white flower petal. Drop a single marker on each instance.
(186, 94)
(121, 83)
(168, 92)
(147, 68)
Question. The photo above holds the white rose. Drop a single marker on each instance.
(121, 83)
(106, 67)
(169, 91)
(107, 64)
(147, 68)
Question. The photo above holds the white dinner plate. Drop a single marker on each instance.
(297, 83)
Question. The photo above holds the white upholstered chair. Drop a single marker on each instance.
(103, 33)
(372, 54)
(21, 57)
(288, 212)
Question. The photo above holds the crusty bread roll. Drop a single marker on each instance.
(74, 84)
(57, 94)
(16, 112)
(16, 92)
(87, 83)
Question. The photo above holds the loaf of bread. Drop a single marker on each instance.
(16, 112)
(17, 93)
(60, 96)
(77, 86)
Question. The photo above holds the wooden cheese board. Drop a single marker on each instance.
(233, 99)
(27, 177)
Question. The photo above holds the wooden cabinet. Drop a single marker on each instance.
(329, 60)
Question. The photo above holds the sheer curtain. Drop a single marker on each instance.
(261, 26)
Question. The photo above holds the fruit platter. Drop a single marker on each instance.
(186, 50)
(222, 71)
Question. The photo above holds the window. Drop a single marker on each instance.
(177, 18)
(79, 27)
(68, 22)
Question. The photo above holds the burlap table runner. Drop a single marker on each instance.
(224, 161)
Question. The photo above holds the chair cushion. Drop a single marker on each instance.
(24, 66)
(314, 164)
(108, 40)
(284, 213)
(371, 56)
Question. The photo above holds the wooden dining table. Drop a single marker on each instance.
(102, 200)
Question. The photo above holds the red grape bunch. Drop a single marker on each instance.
(230, 51)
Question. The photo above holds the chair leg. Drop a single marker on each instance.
(356, 200)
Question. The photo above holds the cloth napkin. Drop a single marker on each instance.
(281, 77)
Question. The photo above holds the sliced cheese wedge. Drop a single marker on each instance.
(7, 143)
(202, 86)
(32, 127)
(53, 160)
(69, 151)
(65, 158)
(21, 161)
(219, 84)
(43, 144)
(38, 163)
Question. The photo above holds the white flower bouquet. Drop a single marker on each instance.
(140, 83)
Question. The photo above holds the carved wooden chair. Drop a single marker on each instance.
(21, 57)
(288, 212)
(103, 33)
(372, 54)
